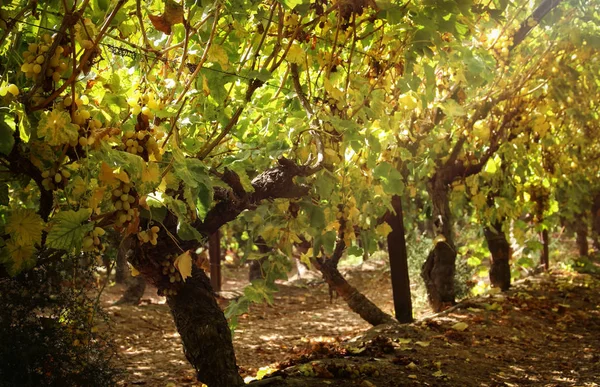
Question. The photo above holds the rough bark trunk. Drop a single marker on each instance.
(199, 319)
(596, 222)
(438, 270)
(355, 299)
(136, 286)
(214, 252)
(204, 331)
(399, 263)
(121, 269)
(500, 256)
(545, 258)
(581, 230)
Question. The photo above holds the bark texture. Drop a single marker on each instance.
(439, 268)
(204, 331)
(545, 258)
(214, 252)
(500, 256)
(136, 286)
(581, 231)
(399, 263)
(121, 269)
(596, 221)
(355, 299)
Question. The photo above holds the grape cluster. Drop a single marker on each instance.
(150, 235)
(55, 178)
(142, 143)
(125, 202)
(35, 56)
(91, 242)
(502, 47)
(86, 138)
(145, 104)
(172, 277)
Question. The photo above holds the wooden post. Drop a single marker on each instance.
(214, 253)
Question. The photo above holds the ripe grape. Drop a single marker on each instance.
(13, 89)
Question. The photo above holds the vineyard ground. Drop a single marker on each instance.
(545, 331)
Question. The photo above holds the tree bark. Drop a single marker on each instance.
(500, 256)
(581, 231)
(355, 299)
(399, 263)
(545, 258)
(121, 269)
(438, 270)
(596, 221)
(214, 252)
(204, 331)
(136, 286)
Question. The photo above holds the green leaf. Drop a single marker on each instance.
(390, 177)
(258, 291)
(452, 108)
(68, 231)
(194, 173)
(291, 4)
(188, 233)
(492, 165)
(6, 137)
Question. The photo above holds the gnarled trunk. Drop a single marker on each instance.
(121, 269)
(204, 331)
(438, 270)
(136, 286)
(500, 256)
(596, 221)
(399, 263)
(581, 230)
(199, 319)
(355, 299)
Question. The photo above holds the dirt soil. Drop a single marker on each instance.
(545, 331)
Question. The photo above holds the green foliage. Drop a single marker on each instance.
(50, 329)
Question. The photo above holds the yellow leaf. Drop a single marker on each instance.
(106, 174)
(335, 93)
(56, 128)
(134, 271)
(123, 176)
(295, 54)
(78, 187)
(383, 229)
(412, 366)
(183, 263)
(353, 215)
(19, 254)
(333, 226)
(305, 258)
(96, 198)
(460, 326)
(205, 87)
(438, 374)
(423, 343)
(151, 173)
(25, 227)
(219, 55)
